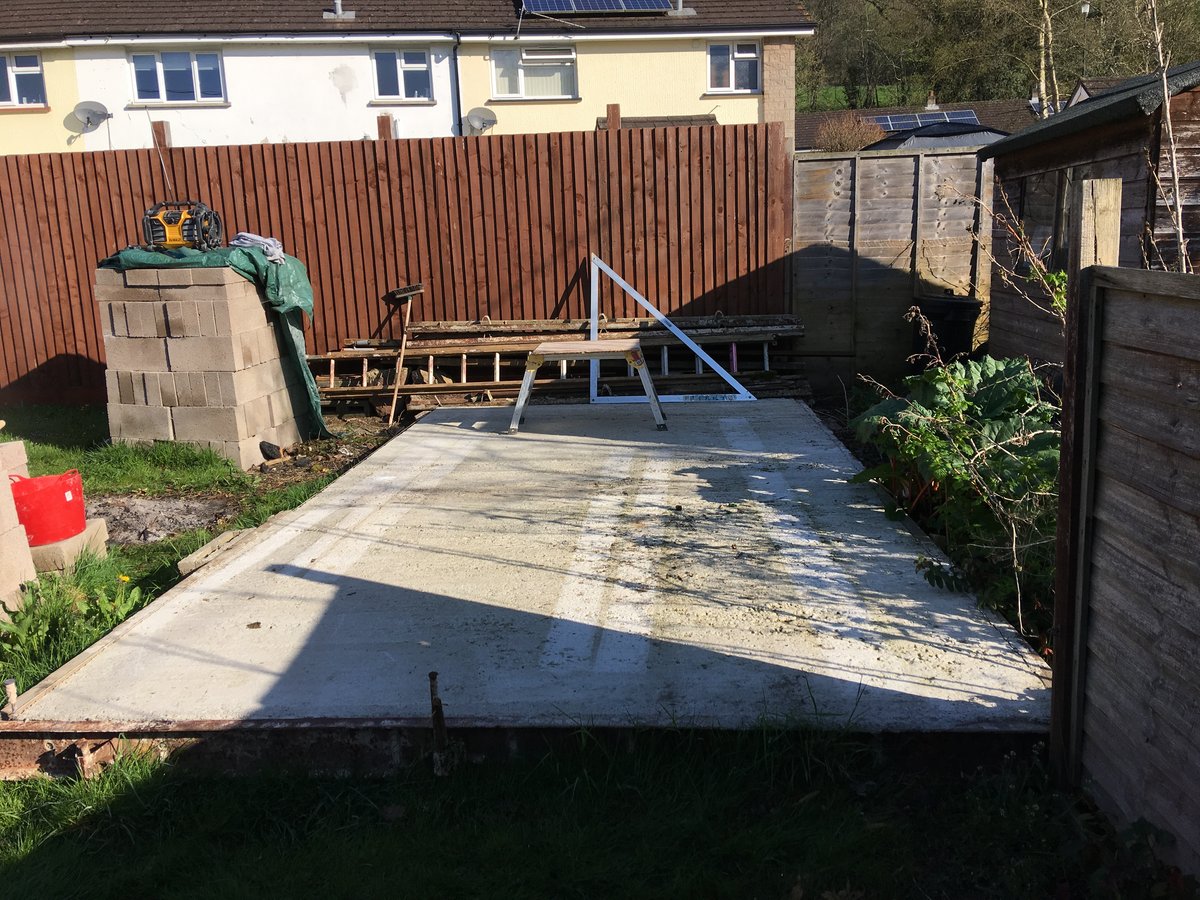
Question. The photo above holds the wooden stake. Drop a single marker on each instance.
(400, 363)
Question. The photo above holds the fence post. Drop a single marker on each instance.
(1094, 241)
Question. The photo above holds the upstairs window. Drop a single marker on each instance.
(733, 68)
(534, 73)
(178, 77)
(403, 75)
(21, 80)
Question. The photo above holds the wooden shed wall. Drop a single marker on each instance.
(871, 232)
(1138, 685)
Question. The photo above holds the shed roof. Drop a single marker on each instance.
(57, 19)
(1008, 116)
(1136, 97)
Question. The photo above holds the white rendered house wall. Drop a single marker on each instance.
(273, 93)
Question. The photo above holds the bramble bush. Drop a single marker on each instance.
(971, 453)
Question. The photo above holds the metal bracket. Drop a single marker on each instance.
(597, 266)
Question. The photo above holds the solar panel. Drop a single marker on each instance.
(909, 121)
(588, 7)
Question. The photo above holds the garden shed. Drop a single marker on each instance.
(1118, 133)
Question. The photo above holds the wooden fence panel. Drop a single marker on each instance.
(872, 233)
(697, 219)
(1134, 687)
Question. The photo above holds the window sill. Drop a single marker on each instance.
(24, 107)
(732, 94)
(535, 100)
(401, 101)
(182, 104)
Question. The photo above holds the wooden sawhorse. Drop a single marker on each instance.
(553, 351)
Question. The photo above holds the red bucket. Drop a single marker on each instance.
(50, 507)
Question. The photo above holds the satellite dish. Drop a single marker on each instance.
(478, 120)
(88, 115)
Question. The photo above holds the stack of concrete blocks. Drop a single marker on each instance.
(195, 356)
(16, 562)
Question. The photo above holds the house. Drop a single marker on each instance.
(1117, 133)
(991, 117)
(310, 70)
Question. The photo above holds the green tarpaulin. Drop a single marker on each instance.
(285, 286)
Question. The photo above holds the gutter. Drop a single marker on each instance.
(456, 109)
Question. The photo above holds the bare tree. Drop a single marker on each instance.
(1171, 192)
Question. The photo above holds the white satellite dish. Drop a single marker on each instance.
(88, 116)
(478, 120)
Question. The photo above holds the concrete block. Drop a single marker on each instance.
(160, 319)
(13, 458)
(109, 278)
(254, 382)
(106, 319)
(212, 389)
(207, 322)
(286, 434)
(245, 453)
(222, 275)
(111, 385)
(136, 354)
(236, 315)
(139, 320)
(141, 278)
(166, 389)
(282, 407)
(258, 415)
(202, 354)
(200, 390)
(8, 508)
(153, 390)
(175, 326)
(175, 278)
(61, 555)
(210, 423)
(135, 424)
(16, 563)
(125, 387)
(108, 293)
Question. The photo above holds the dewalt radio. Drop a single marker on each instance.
(181, 223)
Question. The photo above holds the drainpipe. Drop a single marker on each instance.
(455, 88)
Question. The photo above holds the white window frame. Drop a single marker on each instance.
(733, 57)
(401, 68)
(546, 54)
(11, 71)
(162, 100)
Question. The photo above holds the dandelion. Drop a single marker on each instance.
(123, 578)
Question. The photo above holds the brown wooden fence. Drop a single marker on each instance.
(696, 218)
(1126, 681)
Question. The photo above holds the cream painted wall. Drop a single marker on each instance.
(42, 130)
(276, 93)
(648, 78)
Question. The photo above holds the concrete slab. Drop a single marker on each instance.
(588, 571)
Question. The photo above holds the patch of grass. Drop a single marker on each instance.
(684, 814)
(61, 438)
(257, 508)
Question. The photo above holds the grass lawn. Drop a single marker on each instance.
(771, 815)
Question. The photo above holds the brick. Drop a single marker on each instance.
(175, 327)
(62, 555)
(166, 389)
(160, 319)
(109, 278)
(108, 293)
(13, 458)
(175, 277)
(207, 322)
(137, 354)
(16, 563)
(135, 424)
(212, 389)
(201, 354)
(118, 319)
(141, 278)
(106, 319)
(212, 423)
(191, 319)
(189, 386)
